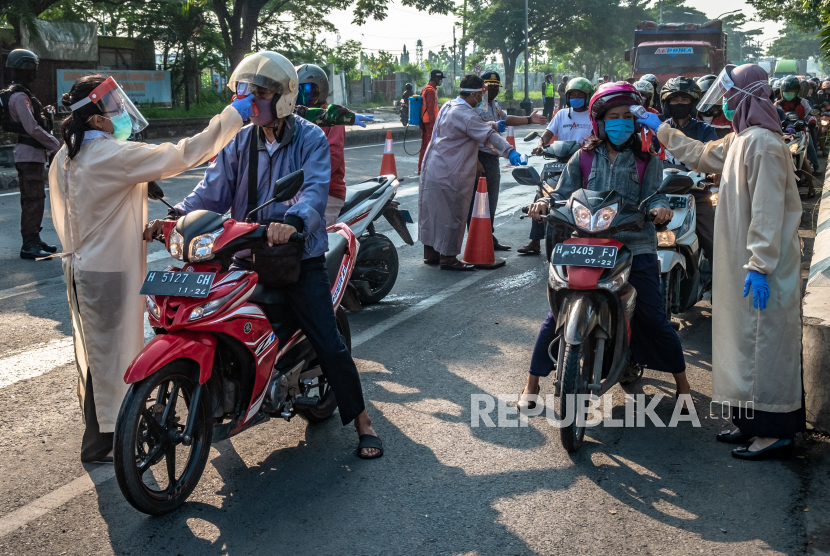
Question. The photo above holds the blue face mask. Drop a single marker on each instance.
(577, 102)
(619, 130)
(122, 126)
(729, 114)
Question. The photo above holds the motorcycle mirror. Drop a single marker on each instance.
(676, 185)
(531, 136)
(284, 189)
(155, 193)
(526, 175)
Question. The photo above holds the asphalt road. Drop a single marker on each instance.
(443, 487)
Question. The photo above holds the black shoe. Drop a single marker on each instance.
(45, 246)
(31, 250)
(630, 374)
(782, 448)
(734, 437)
(500, 247)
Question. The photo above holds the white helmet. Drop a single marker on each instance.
(272, 71)
(644, 87)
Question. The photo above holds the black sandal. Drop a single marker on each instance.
(369, 441)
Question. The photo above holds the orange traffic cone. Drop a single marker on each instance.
(387, 165)
(511, 136)
(479, 249)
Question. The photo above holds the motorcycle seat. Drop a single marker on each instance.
(334, 256)
(356, 194)
(267, 296)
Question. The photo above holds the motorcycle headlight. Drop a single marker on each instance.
(207, 309)
(794, 148)
(177, 245)
(557, 281)
(665, 239)
(825, 122)
(714, 199)
(582, 216)
(201, 247)
(614, 283)
(604, 217)
(153, 308)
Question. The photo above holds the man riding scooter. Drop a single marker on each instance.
(276, 145)
(791, 101)
(679, 98)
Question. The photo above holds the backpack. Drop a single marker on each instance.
(8, 125)
(586, 160)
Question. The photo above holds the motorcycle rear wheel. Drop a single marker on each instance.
(573, 384)
(328, 403)
(153, 413)
(380, 273)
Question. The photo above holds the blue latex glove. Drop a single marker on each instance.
(502, 126)
(244, 106)
(361, 120)
(760, 288)
(516, 159)
(650, 120)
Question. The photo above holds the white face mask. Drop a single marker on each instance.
(708, 119)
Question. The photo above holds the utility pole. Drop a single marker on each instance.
(454, 56)
(525, 104)
(661, 12)
(464, 38)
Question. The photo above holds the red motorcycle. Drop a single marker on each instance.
(217, 366)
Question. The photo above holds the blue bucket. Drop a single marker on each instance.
(416, 104)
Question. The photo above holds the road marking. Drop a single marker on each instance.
(19, 365)
(374, 145)
(58, 280)
(55, 499)
(406, 314)
(16, 193)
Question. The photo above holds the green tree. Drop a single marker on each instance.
(794, 43)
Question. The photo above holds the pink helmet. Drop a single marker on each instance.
(608, 96)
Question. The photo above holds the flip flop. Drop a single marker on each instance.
(369, 441)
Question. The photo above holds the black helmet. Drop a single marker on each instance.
(408, 87)
(790, 84)
(680, 86)
(705, 82)
(22, 59)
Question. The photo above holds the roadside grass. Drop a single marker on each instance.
(206, 110)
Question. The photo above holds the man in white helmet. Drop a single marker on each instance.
(278, 143)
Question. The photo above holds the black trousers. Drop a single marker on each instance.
(547, 111)
(705, 228)
(95, 444)
(492, 174)
(32, 179)
(310, 302)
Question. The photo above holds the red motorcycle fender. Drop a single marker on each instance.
(586, 277)
(200, 347)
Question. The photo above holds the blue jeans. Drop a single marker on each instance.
(812, 154)
(654, 343)
(310, 303)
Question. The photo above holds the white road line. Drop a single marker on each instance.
(381, 145)
(54, 499)
(57, 498)
(19, 365)
(16, 193)
(58, 280)
(406, 314)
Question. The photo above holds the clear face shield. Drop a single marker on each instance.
(114, 104)
(725, 88)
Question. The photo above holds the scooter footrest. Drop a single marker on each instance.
(308, 401)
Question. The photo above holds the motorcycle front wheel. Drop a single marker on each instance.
(573, 395)
(379, 268)
(156, 471)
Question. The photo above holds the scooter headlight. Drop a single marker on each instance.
(794, 148)
(604, 217)
(177, 245)
(201, 247)
(207, 309)
(616, 282)
(582, 216)
(825, 122)
(153, 308)
(665, 239)
(714, 199)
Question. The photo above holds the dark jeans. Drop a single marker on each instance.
(654, 343)
(547, 111)
(812, 155)
(32, 179)
(537, 227)
(493, 176)
(705, 228)
(95, 444)
(310, 302)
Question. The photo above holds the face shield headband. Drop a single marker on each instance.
(724, 87)
(112, 102)
(483, 92)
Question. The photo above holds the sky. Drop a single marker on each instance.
(405, 25)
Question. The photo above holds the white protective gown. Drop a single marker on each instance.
(448, 174)
(756, 355)
(99, 208)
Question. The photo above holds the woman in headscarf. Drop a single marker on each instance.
(756, 341)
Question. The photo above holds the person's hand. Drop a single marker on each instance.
(650, 120)
(245, 106)
(502, 126)
(540, 148)
(661, 215)
(516, 159)
(479, 170)
(760, 288)
(153, 229)
(361, 120)
(537, 118)
(278, 233)
(537, 210)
